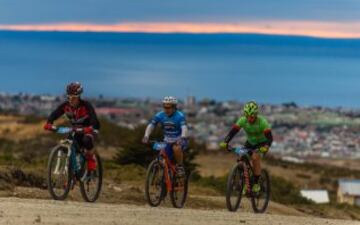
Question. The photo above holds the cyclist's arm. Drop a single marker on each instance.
(267, 130)
(56, 114)
(269, 136)
(184, 128)
(151, 126)
(184, 131)
(149, 130)
(95, 124)
(234, 130)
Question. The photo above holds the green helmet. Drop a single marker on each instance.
(251, 109)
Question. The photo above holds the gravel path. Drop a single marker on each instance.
(14, 211)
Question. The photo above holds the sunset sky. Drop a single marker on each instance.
(320, 18)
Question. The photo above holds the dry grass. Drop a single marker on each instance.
(219, 164)
(14, 128)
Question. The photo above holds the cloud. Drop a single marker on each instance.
(303, 28)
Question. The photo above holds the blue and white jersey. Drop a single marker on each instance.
(171, 125)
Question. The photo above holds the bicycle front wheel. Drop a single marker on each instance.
(91, 182)
(59, 173)
(179, 191)
(261, 200)
(234, 189)
(155, 189)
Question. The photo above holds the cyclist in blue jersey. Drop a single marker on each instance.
(173, 124)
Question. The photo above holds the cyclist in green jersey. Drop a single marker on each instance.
(259, 137)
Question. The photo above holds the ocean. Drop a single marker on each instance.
(266, 68)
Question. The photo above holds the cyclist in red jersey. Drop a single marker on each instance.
(81, 115)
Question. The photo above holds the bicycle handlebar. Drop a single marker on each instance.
(241, 150)
(63, 130)
(67, 130)
(157, 145)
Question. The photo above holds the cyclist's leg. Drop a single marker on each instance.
(178, 154)
(256, 164)
(88, 145)
(179, 149)
(255, 157)
(76, 145)
(169, 151)
(256, 161)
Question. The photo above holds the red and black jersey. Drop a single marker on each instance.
(82, 116)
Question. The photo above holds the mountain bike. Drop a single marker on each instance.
(67, 167)
(240, 182)
(161, 179)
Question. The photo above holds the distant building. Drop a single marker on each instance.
(115, 111)
(190, 107)
(213, 143)
(317, 196)
(349, 192)
(48, 98)
(190, 102)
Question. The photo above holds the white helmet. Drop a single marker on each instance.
(170, 100)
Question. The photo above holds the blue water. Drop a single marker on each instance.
(269, 69)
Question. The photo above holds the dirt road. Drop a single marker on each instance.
(14, 211)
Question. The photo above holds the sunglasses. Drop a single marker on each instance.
(168, 107)
(73, 96)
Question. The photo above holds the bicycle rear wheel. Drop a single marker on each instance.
(179, 191)
(155, 189)
(260, 201)
(91, 183)
(59, 173)
(235, 185)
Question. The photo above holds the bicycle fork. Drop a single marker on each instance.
(167, 177)
(247, 177)
(58, 168)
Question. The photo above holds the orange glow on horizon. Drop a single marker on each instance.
(303, 28)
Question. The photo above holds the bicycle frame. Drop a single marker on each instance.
(244, 162)
(246, 168)
(169, 167)
(71, 155)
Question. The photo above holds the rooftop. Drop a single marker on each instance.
(350, 187)
(317, 196)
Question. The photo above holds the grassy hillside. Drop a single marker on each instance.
(24, 148)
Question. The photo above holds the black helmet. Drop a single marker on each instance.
(74, 88)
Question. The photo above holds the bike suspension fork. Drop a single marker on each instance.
(58, 162)
(247, 176)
